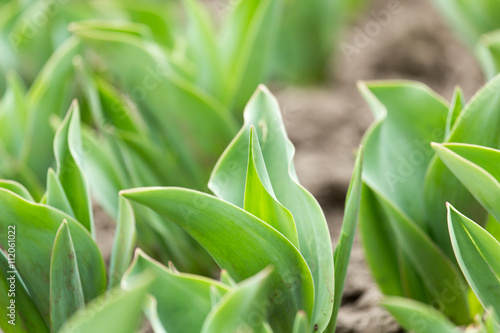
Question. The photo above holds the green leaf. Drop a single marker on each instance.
(470, 19)
(478, 255)
(488, 53)
(223, 229)
(104, 170)
(477, 168)
(301, 323)
(247, 44)
(69, 158)
(342, 252)
(397, 146)
(55, 195)
(182, 301)
(418, 317)
(49, 95)
(27, 316)
(13, 115)
(37, 226)
(228, 182)
(203, 48)
(458, 102)
(118, 311)
(477, 124)
(260, 199)
(244, 308)
(380, 243)
(17, 188)
(165, 98)
(123, 244)
(439, 275)
(226, 278)
(66, 294)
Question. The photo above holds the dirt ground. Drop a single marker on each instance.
(326, 125)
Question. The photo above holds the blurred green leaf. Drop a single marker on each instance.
(301, 323)
(470, 19)
(16, 188)
(488, 53)
(418, 317)
(49, 95)
(477, 168)
(247, 42)
(456, 106)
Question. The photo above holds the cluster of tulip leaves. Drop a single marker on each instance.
(431, 169)
(263, 229)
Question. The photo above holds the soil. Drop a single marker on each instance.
(326, 125)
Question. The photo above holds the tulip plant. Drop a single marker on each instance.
(31, 31)
(264, 230)
(437, 266)
(477, 249)
(477, 24)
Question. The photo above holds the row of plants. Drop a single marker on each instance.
(264, 230)
(161, 115)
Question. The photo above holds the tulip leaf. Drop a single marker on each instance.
(182, 300)
(243, 308)
(222, 229)
(397, 146)
(119, 311)
(342, 252)
(436, 270)
(166, 98)
(418, 317)
(478, 255)
(66, 294)
(477, 124)
(27, 317)
(488, 53)
(301, 323)
(69, 158)
(228, 182)
(55, 195)
(248, 35)
(48, 96)
(38, 225)
(123, 244)
(456, 106)
(260, 199)
(17, 188)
